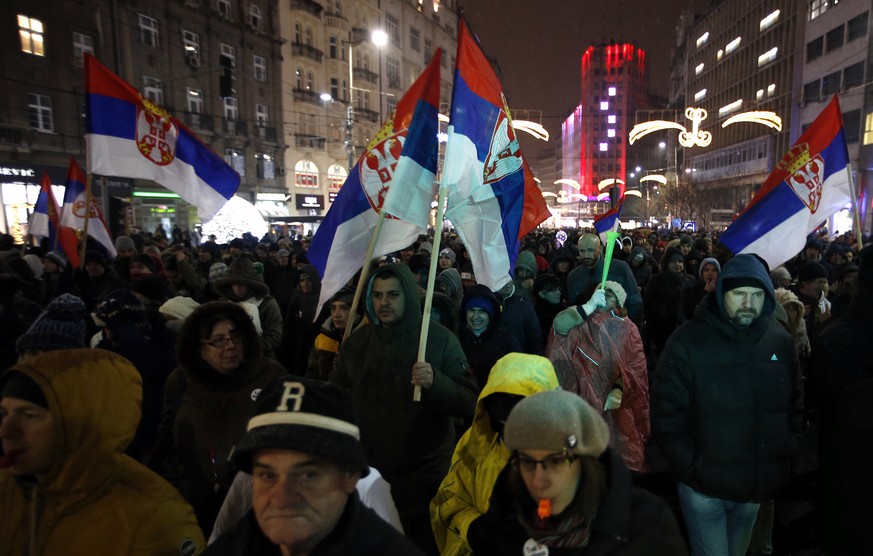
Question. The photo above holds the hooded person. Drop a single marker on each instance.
(481, 337)
(707, 273)
(525, 270)
(302, 320)
(409, 442)
(481, 454)
(641, 267)
(602, 361)
(448, 282)
(57, 275)
(663, 301)
(327, 343)
(242, 284)
(67, 417)
(561, 264)
(566, 492)
(547, 294)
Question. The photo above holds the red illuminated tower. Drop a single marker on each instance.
(614, 86)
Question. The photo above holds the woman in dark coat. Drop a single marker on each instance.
(482, 341)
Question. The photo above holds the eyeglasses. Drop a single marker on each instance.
(558, 462)
(221, 343)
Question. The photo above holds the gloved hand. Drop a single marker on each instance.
(598, 300)
(567, 319)
(613, 399)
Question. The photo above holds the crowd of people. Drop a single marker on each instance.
(186, 391)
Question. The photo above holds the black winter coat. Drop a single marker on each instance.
(726, 400)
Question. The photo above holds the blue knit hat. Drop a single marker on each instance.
(60, 326)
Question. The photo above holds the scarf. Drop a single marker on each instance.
(558, 531)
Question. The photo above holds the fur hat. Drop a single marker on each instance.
(616, 290)
(178, 307)
(60, 326)
(556, 420)
(304, 415)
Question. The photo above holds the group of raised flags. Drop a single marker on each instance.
(492, 199)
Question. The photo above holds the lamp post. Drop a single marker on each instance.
(380, 39)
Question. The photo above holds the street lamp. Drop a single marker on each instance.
(380, 39)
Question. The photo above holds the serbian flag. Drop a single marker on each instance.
(809, 184)
(44, 221)
(401, 158)
(608, 221)
(128, 135)
(73, 216)
(493, 200)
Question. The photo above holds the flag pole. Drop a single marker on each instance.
(856, 217)
(84, 246)
(365, 273)
(431, 281)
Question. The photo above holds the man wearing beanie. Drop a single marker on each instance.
(126, 249)
(726, 408)
(65, 419)
(328, 341)
(811, 289)
(60, 326)
(303, 450)
(663, 301)
(566, 492)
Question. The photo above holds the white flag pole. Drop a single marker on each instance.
(431, 281)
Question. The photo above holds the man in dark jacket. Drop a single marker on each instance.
(663, 301)
(409, 442)
(725, 407)
(302, 449)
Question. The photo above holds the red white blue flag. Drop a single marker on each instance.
(44, 221)
(74, 213)
(400, 164)
(809, 184)
(128, 135)
(493, 200)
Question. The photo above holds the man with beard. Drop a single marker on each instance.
(584, 277)
(725, 407)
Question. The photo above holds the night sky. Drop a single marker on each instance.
(538, 44)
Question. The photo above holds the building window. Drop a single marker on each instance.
(298, 33)
(255, 19)
(868, 129)
(701, 40)
(190, 42)
(818, 7)
(298, 78)
(610, 133)
(82, 44)
(148, 30)
(830, 84)
(853, 76)
(307, 36)
(603, 147)
(769, 20)
(759, 94)
(604, 105)
(309, 81)
(224, 9)
(733, 45)
(611, 91)
(698, 69)
(732, 107)
(259, 67)
(610, 119)
(236, 160)
(305, 174)
(393, 67)
(336, 176)
(153, 89)
(768, 56)
(811, 91)
(231, 109)
(332, 49)
(834, 38)
(262, 115)
(814, 49)
(39, 110)
(428, 50)
(195, 106)
(334, 88)
(32, 36)
(852, 125)
(700, 95)
(771, 90)
(857, 27)
(265, 166)
(230, 52)
(391, 104)
(719, 54)
(392, 28)
(414, 39)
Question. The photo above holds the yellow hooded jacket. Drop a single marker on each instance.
(481, 455)
(94, 499)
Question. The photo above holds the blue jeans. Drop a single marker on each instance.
(716, 527)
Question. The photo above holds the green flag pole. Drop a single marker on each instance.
(611, 237)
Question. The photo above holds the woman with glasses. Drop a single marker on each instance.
(565, 492)
(207, 402)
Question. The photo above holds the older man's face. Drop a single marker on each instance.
(743, 305)
(298, 498)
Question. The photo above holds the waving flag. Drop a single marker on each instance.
(128, 135)
(608, 221)
(44, 221)
(809, 184)
(493, 200)
(74, 214)
(399, 166)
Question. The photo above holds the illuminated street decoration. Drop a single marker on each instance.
(633, 193)
(566, 181)
(607, 182)
(655, 177)
(769, 119)
(697, 136)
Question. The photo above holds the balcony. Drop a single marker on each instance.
(367, 114)
(306, 141)
(308, 6)
(267, 133)
(366, 75)
(305, 95)
(199, 122)
(235, 127)
(300, 49)
(336, 21)
(12, 136)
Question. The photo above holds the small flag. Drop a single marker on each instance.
(74, 213)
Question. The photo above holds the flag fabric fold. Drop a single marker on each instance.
(396, 171)
(44, 221)
(493, 200)
(809, 184)
(128, 135)
(608, 221)
(74, 213)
